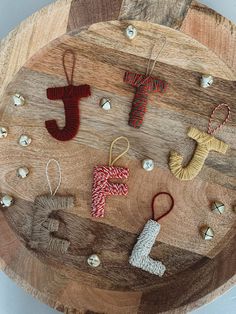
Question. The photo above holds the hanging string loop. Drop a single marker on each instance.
(71, 53)
(149, 68)
(111, 163)
(47, 176)
(153, 203)
(212, 130)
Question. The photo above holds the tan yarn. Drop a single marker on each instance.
(43, 226)
(205, 144)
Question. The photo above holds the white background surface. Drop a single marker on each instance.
(13, 300)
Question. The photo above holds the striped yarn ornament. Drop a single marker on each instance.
(144, 84)
(103, 188)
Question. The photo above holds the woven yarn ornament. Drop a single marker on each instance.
(43, 225)
(206, 142)
(70, 95)
(140, 256)
(144, 84)
(101, 185)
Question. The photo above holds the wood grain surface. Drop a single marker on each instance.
(197, 270)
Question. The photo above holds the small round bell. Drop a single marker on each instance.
(131, 32)
(3, 132)
(207, 233)
(25, 140)
(218, 207)
(105, 104)
(148, 164)
(22, 172)
(18, 100)
(94, 261)
(206, 81)
(6, 201)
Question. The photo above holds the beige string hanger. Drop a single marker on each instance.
(48, 179)
(111, 163)
(149, 68)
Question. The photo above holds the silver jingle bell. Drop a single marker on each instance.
(22, 172)
(148, 164)
(218, 207)
(131, 32)
(206, 81)
(18, 100)
(207, 233)
(3, 132)
(25, 140)
(94, 261)
(6, 201)
(105, 104)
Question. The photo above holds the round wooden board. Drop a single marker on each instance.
(30, 62)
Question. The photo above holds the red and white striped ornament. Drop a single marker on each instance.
(101, 185)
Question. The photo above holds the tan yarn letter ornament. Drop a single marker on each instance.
(206, 142)
(43, 225)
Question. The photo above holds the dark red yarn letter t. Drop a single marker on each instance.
(143, 84)
(70, 95)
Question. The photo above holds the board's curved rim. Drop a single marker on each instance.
(20, 280)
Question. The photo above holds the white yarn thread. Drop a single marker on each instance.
(48, 180)
(140, 255)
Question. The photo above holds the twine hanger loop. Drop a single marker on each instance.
(47, 176)
(112, 162)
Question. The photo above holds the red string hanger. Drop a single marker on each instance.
(144, 84)
(212, 130)
(70, 95)
(153, 206)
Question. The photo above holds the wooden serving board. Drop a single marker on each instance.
(198, 41)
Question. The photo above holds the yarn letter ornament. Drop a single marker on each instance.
(43, 225)
(144, 84)
(206, 142)
(140, 256)
(70, 95)
(101, 185)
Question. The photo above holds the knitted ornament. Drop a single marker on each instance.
(43, 225)
(206, 142)
(101, 185)
(144, 84)
(70, 95)
(140, 255)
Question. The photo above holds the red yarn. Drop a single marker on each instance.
(171, 207)
(144, 85)
(103, 188)
(70, 95)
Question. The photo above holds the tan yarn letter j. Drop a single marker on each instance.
(206, 142)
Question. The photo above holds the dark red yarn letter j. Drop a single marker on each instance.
(70, 95)
(144, 84)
